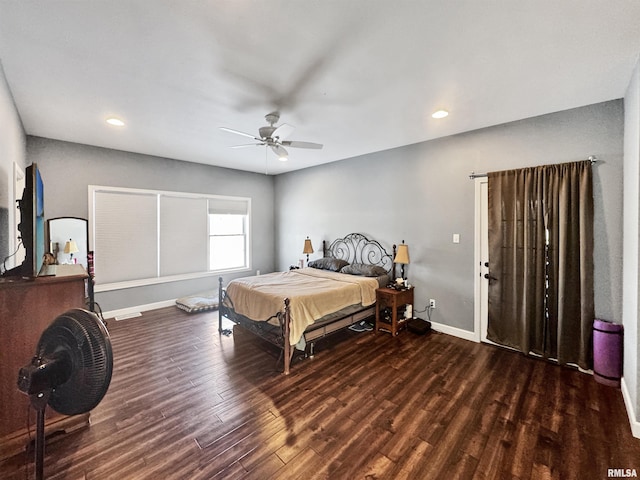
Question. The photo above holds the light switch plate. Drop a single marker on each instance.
(456, 238)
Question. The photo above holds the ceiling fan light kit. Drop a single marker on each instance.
(115, 121)
(274, 137)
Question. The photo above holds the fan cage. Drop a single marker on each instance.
(85, 338)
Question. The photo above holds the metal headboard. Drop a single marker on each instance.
(356, 248)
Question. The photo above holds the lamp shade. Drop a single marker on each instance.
(402, 255)
(71, 247)
(308, 248)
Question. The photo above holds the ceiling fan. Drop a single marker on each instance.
(274, 136)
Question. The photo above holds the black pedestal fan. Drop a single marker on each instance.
(70, 371)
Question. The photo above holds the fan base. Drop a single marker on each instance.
(56, 427)
(272, 118)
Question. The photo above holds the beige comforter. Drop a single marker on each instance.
(312, 294)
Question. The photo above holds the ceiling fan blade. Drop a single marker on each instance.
(281, 152)
(238, 132)
(283, 131)
(295, 144)
(247, 145)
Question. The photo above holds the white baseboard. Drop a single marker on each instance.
(133, 311)
(631, 413)
(454, 331)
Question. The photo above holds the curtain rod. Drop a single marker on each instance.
(592, 159)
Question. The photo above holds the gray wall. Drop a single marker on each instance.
(68, 168)
(632, 243)
(12, 149)
(422, 194)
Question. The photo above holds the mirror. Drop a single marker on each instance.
(62, 229)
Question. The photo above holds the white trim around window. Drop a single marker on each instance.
(145, 237)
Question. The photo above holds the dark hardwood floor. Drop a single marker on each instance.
(187, 403)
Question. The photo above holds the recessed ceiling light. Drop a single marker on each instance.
(440, 114)
(283, 158)
(116, 122)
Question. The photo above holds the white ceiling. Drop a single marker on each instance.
(358, 76)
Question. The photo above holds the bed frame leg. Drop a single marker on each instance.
(219, 304)
(287, 344)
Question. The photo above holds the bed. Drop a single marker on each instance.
(293, 309)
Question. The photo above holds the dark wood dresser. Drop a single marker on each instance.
(27, 308)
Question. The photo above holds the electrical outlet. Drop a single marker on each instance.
(432, 303)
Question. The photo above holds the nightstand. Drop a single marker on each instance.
(389, 298)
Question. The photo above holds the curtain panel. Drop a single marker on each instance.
(541, 261)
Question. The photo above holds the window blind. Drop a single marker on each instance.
(228, 206)
(183, 235)
(126, 232)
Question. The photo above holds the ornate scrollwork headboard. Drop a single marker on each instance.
(356, 248)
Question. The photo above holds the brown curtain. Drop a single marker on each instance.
(541, 261)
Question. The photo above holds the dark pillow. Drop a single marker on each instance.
(333, 264)
(364, 270)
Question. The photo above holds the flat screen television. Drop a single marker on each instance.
(31, 226)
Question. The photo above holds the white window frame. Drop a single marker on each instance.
(93, 190)
(244, 235)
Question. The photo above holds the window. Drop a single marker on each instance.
(227, 242)
(142, 237)
(228, 234)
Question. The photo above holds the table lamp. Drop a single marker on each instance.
(308, 248)
(402, 256)
(71, 247)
